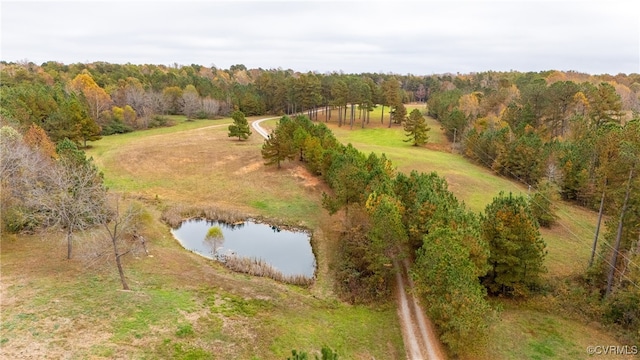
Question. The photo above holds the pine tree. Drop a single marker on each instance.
(416, 128)
(399, 113)
(516, 248)
(447, 280)
(278, 146)
(240, 126)
(541, 204)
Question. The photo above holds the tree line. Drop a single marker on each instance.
(459, 256)
(567, 136)
(103, 98)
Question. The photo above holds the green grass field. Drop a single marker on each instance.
(185, 307)
(181, 306)
(568, 242)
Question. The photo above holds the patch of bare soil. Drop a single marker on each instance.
(308, 179)
(439, 147)
(249, 168)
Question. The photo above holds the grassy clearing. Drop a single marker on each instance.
(523, 331)
(339, 327)
(568, 242)
(473, 184)
(531, 334)
(183, 306)
(203, 166)
(181, 124)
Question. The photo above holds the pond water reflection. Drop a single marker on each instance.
(287, 251)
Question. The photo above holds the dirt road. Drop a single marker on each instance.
(259, 129)
(420, 340)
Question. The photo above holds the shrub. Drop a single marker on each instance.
(159, 121)
(115, 127)
(623, 308)
(18, 219)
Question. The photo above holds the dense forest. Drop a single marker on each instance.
(564, 134)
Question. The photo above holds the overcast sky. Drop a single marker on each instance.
(417, 37)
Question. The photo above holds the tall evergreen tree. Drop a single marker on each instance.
(347, 177)
(390, 95)
(522, 158)
(240, 126)
(279, 144)
(416, 128)
(517, 250)
(399, 114)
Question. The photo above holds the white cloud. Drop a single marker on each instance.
(389, 36)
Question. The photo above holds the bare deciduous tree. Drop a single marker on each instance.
(210, 106)
(22, 169)
(121, 228)
(135, 96)
(191, 103)
(71, 196)
(67, 193)
(74, 199)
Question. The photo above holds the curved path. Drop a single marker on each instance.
(259, 129)
(420, 340)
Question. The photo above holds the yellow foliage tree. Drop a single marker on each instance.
(129, 115)
(469, 104)
(97, 98)
(555, 77)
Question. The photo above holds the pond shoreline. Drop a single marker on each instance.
(253, 246)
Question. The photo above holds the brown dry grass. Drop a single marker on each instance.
(55, 308)
(203, 168)
(200, 167)
(258, 267)
(183, 305)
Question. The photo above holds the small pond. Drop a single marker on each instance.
(287, 251)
